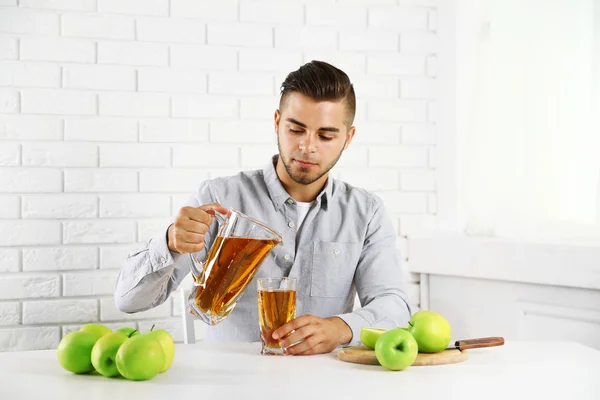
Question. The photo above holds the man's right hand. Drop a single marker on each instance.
(186, 234)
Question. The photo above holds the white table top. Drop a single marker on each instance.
(517, 370)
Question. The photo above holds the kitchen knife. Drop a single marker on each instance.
(477, 343)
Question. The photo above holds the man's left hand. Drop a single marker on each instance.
(313, 335)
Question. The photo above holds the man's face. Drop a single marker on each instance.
(311, 136)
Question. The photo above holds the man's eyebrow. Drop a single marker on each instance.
(324, 129)
(293, 121)
(329, 129)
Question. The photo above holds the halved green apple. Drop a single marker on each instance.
(369, 335)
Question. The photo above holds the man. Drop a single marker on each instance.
(338, 239)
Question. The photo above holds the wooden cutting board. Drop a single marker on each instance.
(364, 355)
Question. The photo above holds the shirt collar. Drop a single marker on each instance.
(278, 193)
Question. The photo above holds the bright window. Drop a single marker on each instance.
(527, 119)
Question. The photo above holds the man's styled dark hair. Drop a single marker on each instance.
(321, 82)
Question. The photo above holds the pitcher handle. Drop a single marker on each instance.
(197, 265)
(218, 216)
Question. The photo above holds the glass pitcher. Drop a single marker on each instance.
(237, 252)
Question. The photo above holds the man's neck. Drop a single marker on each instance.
(299, 192)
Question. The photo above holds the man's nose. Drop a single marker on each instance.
(308, 144)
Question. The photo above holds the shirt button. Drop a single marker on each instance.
(336, 251)
(291, 225)
(287, 257)
(163, 260)
(290, 201)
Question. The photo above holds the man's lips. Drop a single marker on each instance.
(305, 164)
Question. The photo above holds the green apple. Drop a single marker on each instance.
(396, 349)
(431, 331)
(129, 332)
(105, 352)
(369, 335)
(168, 345)
(140, 358)
(74, 352)
(96, 329)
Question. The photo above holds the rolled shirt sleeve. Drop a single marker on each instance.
(152, 273)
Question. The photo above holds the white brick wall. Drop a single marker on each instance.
(30, 127)
(135, 7)
(199, 106)
(22, 21)
(133, 53)
(60, 155)
(60, 258)
(134, 205)
(10, 313)
(111, 257)
(9, 101)
(76, 5)
(171, 30)
(100, 180)
(134, 155)
(97, 26)
(339, 15)
(9, 206)
(57, 49)
(29, 74)
(59, 206)
(171, 80)
(10, 154)
(101, 77)
(8, 48)
(100, 129)
(173, 130)
(95, 283)
(235, 34)
(26, 286)
(112, 112)
(272, 12)
(304, 38)
(23, 232)
(58, 102)
(224, 10)
(59, 311)
(98, 231)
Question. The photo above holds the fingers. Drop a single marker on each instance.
(196, 214)
(307, 335)
(186, 235)
(294, 324)
(314, 344)
(214, 207)
(191, 226)
(297, 336)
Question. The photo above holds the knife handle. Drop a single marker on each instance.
(478, 343)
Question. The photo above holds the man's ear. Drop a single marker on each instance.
(350, 136)
(276, 119)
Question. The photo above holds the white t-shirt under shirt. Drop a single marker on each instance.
(302, 208)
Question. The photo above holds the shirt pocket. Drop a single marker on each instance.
(333, 267)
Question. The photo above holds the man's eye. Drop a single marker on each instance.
(295, 131)
(326, 138)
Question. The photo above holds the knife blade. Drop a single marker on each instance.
(467, 344)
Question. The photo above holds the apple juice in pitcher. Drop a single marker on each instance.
(224, 283)
(241, 245)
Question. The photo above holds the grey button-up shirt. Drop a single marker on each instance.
(346, 245)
